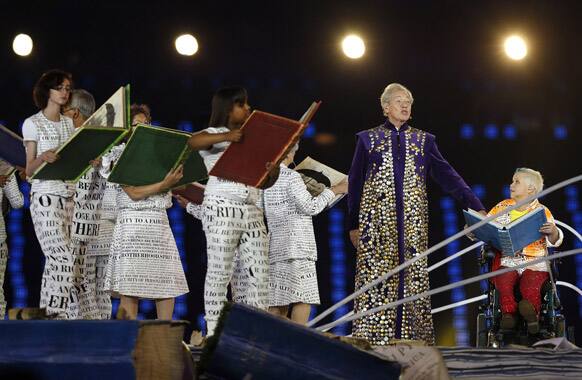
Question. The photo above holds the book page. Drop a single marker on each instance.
(318, 177)
(111, 114)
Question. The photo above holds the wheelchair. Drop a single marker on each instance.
(552, 323)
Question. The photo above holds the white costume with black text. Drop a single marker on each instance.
(16, 200)
(51, 208)
(292, 249)
(232, 220)
(144, 261)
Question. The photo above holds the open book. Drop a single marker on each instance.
(508, 238)
(318, 177)
(267, 138)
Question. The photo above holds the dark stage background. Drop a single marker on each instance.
(490, 115)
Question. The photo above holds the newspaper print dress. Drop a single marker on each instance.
(144, 261)
(16, 200)
(292, 249)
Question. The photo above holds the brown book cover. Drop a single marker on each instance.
(266, 138)
(193, 192)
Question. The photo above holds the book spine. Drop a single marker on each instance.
(506, 243)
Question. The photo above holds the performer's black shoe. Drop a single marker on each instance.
(528, 312)
(507, 321)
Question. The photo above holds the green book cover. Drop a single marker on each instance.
(86, 144)
(151, 153)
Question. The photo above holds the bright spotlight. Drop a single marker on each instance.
(22, 45)
(353, 46)
(186, 44)
(515, 48)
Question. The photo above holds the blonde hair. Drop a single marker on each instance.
(389, 92)
(533, 177)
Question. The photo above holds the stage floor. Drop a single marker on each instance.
(515, 363)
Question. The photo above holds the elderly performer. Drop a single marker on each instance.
(388, 216)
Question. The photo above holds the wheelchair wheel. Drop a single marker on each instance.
(481, 334)
(571, 336)
(560, 327)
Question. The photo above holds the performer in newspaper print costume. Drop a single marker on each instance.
(9, 190)
(51, 204)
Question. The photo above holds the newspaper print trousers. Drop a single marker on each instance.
(229, 225)
(97, 298)
(51, 216)
(3, 260)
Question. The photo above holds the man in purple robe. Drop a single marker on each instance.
(388, 216)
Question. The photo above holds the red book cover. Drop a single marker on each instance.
(266, 138)
(193, 192)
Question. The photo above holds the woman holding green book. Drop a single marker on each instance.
(144, 262)
(51, 203)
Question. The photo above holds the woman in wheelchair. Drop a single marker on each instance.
(525, 183)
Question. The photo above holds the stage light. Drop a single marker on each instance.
(560, 132)
(186, 44)
(467, 131)
(491, 131)
(510, 132)
(515, 48)
(353, 46)
(22, 45)
(478, 190)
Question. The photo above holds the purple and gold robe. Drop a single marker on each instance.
(387, 202)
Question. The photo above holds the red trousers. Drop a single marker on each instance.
(530, 285)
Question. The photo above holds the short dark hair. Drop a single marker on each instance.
(223, 101)
(136, 109)
(47, 81)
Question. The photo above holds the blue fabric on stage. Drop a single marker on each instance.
(258, 345)
(65, 350)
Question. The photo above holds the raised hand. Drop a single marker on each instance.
(173, 177)
(234, 135)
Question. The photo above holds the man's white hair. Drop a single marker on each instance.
(389, 92)
(533, 178)
(83, 101)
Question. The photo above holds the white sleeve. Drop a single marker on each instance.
(558, 242)
(29, 131)
(109, 158)
(194, 210)
(308, 204)
(13, 193)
